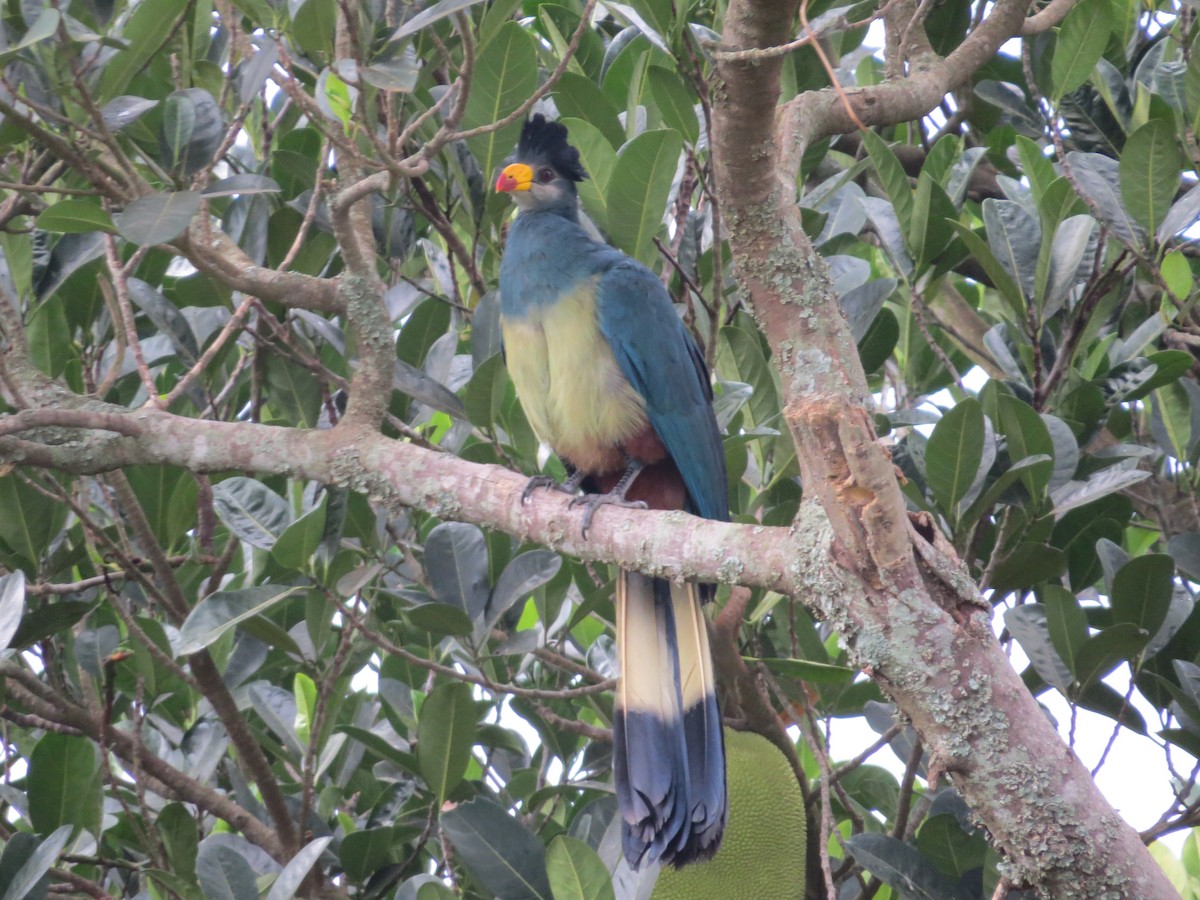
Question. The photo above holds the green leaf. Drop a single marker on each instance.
(441, 10)
(75, 217)
(300, 540)
(893, 177)
(220, 611)
(524, 574)
(1028, 565)
(64, 786)
(504, 856)
(994, 491)
(954, 453)
(995, 271)
(144, 35)
(26, 879)
(251, 510)
(905, 868)
(1027, 435)
(599, 158)
(223, 873)
(1098, 180)
(637, 194)
(674, 102)
(287, 885)
(954, 851)
(582, 100)
(47, 621)
(932, 216)
(428, 322)
(180, 836)
(505, 75)
(1014, 236)
(43, 28)
(440, 619)
(29, 522)
(365, 852)
(1150, 169)
(1028, 624)
(158, 218)
(1037, 168)
(1081, 42)
(293, 391)
(12, 606)
(1066, 621)
(304, 692)
(445, 735)
(1142, 591)
(1071, 241)
(44, 332)
(576, 872)
(456, 560)
(1103, 652)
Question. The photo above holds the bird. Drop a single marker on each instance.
(611, 379)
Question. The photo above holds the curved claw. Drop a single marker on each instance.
(570, 486)
(594, 501)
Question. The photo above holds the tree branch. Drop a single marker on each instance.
(911, 620)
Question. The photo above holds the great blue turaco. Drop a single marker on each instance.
(611, 380)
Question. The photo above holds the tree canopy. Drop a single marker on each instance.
(276, 619)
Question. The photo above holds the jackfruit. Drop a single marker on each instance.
(763, 854)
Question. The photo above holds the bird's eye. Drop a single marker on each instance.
(545, 175)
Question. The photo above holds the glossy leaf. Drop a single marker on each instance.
(251, 510)
(445, 735)
(637, 192)
(576, 872)
(220, 611)
(223, 873)
(1098, 180)
(1142, 590)
(1029, 625)
(157, 218)
(12, 606)
(954, 453)
(1081, 41)
(35, 868)
(64, 785)
(77, 216)
(1149, 170)
(505, 75)
(501, 853)
(902, 866)
(288, 883)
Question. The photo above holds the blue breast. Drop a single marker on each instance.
(547, 256)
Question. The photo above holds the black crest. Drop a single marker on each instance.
(544, 141)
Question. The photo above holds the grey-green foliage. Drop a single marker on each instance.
(1026, 316)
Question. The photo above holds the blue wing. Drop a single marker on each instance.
(657, 355)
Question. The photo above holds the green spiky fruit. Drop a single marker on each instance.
(763, 853)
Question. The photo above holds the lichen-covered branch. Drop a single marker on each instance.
(912, 618)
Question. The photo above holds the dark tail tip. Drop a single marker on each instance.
(671, 792)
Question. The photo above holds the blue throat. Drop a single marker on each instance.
(548, 253)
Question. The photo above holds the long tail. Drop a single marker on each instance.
(669, 752)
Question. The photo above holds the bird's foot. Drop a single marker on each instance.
(570, 486)
(593, 502)
(615, 497)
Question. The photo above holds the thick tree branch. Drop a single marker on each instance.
(911, 619)
(814, 115)
(672, 544)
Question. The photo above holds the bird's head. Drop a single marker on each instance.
(544, 169)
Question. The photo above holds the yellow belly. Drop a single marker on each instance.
(570, 386)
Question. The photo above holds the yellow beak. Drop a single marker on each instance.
(515, 177)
